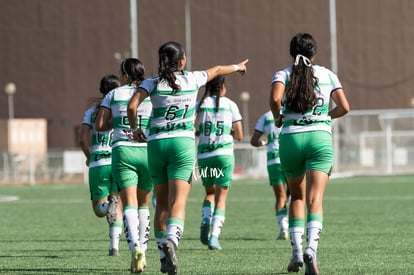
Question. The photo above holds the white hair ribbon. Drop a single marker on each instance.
(306, 60)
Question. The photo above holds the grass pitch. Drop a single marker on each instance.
(368, 229)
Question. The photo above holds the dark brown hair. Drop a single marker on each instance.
(169, 55)
(300, 95)
(133, 68)
(213, 88)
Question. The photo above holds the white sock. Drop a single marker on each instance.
(218, 221)
(314, 229)
(283, 223)
(144, 226)
(115, 231)
(175, 230)
(282, 219)
(160, 237)
(131, 224)
(296, 235)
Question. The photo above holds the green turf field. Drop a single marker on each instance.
(368, 229)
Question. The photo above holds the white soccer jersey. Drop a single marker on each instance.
(266, 124)
(317, 118)
(100, 150)
(215, 127)
(117, 101)
(173, 114)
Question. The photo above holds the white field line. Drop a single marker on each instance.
(8, 198)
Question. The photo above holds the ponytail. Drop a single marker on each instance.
(300, 95)
(169, 55)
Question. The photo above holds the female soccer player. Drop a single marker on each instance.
(171, 141)
(129, 159)
(306, 152)
(266, 126)
(97, 148)
(218, 121)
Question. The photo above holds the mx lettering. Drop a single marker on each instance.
(210, 172)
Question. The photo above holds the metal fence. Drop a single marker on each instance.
(376, 142)
(52, 167)
(369, 142)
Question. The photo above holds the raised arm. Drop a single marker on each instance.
(226, 69)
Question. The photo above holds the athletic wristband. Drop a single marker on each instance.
(236, 67)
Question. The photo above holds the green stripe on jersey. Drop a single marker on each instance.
(170, 93)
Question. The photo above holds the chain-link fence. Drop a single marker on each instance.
(373, 142)
(52, 167)
(365, 142)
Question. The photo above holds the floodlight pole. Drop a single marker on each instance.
(187, 11)
(133, 9)
(333, 39)
(334, 68)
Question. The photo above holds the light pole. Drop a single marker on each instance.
(187, 16)
(133, 26)
(244, 98)
(10, 90)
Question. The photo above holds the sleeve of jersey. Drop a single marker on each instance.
(201, 77)
(236, 116)
(336, 84)
(148, 85)
(260, 124)
(279, 76)
(87, 117)
(106, 101)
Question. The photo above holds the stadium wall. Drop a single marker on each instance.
(57, 51)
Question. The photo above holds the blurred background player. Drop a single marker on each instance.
(266, 126)
(96, 145)
(218, 122)
(129, 159)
